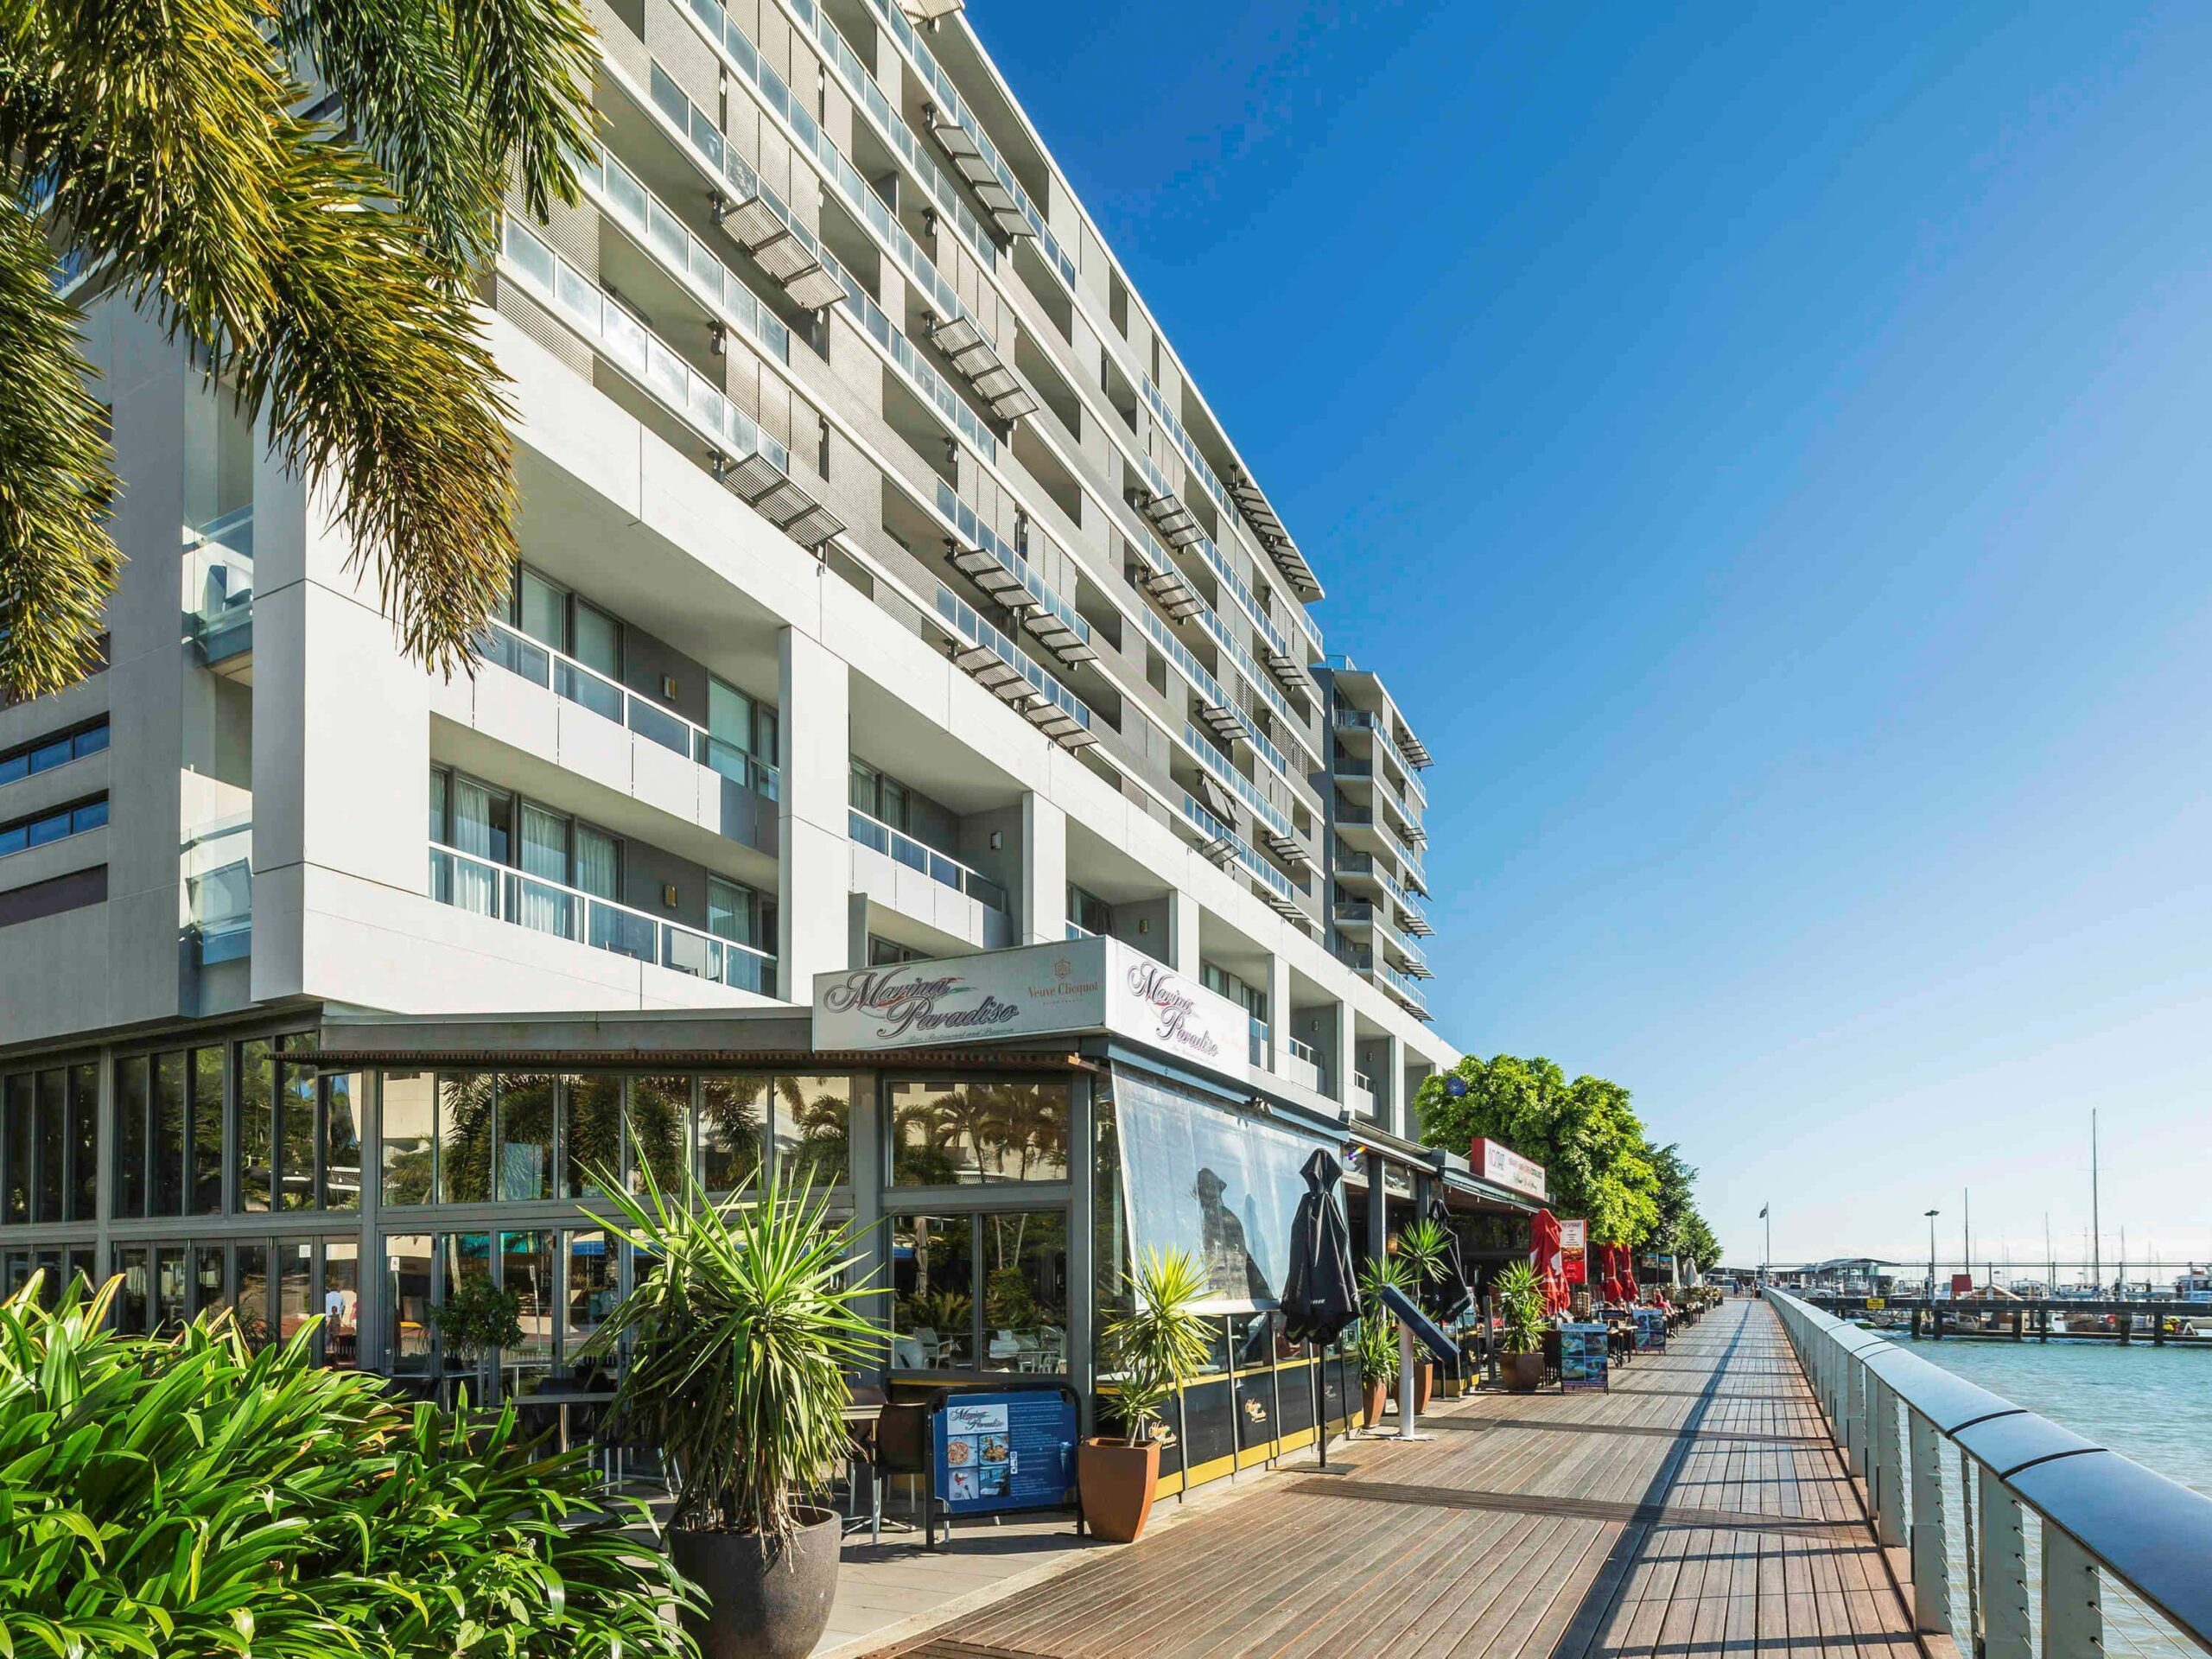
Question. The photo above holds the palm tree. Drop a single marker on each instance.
(166, 152)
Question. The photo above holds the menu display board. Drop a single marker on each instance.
(1650, 1331)
(1582, 1358)
(1009, 1450)
(1574, 1251)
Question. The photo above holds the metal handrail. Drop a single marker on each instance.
(918, 855)
(2100, 1512)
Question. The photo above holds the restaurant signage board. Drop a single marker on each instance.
(1582, 1358)
(1038, 990)
(1574, 1251)
(1011, 1450)
(1650, 1331)
(1502, 1167)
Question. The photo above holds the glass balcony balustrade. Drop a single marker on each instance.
(957, 613)
(216, 863)
(975, 533)
(626, 343)
(572, 682)
(484, 888)
(902, 849)
(1217, 763)
(1221, 835)
(219, 585)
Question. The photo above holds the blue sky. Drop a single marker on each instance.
(1765, 450)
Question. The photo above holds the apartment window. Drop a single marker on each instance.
(743, 736)
(1089, 911)
(498, 829)
(39, 828)
(1222, 982)
(48, 753)
(889, 953)
(554, 616)
(739, 914)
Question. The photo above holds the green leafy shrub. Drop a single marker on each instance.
(185, 1497)
(1520, 1308)
(1160, 1342)
(1377, 1345)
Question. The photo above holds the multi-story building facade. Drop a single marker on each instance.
(888, 591)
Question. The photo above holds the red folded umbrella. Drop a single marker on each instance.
(1548, 1259)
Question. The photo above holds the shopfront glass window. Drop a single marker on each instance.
(341, 1302)
(341, 1142)
(933, 1292)
(52, 1137)
(660, 1114)
(251, 1262)
(526, 1272)
(963, 1133)
(133, 1085)
(168, 1120)
(409, 1149)
(814, 1116)
(526, 1112)
(173, 1290)
(84, 1141)
(407, 1266)
(134, 1297)
(594, 1289)
(465, 1137)
(210, 1289)
(256, 1113)
(17, 1097)
(206, 1187)
(296, 1099)
(730, 1111)
(594, 1135)
(294, 1268)
(1025, 1291)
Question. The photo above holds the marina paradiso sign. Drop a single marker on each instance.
(1039, 990)
(1502, 1167)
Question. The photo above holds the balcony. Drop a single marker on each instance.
(218, 586)
(484, 888)
(1007, 672)
(217, 866)
(1399, 984)
(1224, 846)
(1362, 1095)
(893, 869)
(1301, 1064)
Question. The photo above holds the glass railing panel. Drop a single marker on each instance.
(657, 725)
(579, 686)
(981, 535)
(964, 620)
(1217, 763)
(903, 849)
(219, 583)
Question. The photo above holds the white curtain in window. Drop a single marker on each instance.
(598, 641)
(545, 855)
(544, 612)
(729, 911)
(474, 887)
(599, 863)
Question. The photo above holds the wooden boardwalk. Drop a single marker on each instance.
(1698, 1508)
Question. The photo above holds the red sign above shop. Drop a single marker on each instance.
(1502, 1167)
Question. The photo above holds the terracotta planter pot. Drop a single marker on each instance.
(1424, 1385)
(766, 1599)
(1524, 1373)
(1117, 1480)
(1371, 1396)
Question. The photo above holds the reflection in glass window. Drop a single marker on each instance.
(209, 1293)
(933, 1292)
(133, 1087)
(341, 1142)
(465, 1137)
(18, 1098)
(52, 1136)
(1025, 1291)
(594, 1135)
(342, 1303)
(814, 1130)
(407, 1300)
(134, 1298)
(526, 1271)
(296, 1135)
(660, 1110)
(172, 1291)
(594, 1288)
(409, 1150)
(207, 1188)
(525, 1108)
(294, 1259)
(84, 1141)
(729, 1131)
(256, 1113)
(948, 1134)
(168, 1134)
(251, 1262)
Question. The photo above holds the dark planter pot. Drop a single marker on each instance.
(1524, 1373)
(1115, 1480)
(1424, 1385)
(1371, 1396)
(765, 1599)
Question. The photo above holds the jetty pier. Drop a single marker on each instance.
(2015, 1318)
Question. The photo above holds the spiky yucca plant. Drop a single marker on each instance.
(1160, 1342)
(160, 148)
(740, 1335)
(186, 1496)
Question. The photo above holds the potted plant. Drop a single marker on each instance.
(1377, 1346)
(738, 1346)
(1520, 1308)
(1425, 1249)
(477, 1319)
(1157, 1345)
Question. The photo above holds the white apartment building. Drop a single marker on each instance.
(889, 592)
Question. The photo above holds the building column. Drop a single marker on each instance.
(814, 856)
(1344, 1056)
(1183, 932)
(1392, 1104)
(1044, 919)
(1279, 1032)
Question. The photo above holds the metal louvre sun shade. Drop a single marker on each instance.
(1176, 595)
(779, 252)
(979, 365)
(970, 162)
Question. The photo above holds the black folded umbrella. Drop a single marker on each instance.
(1448, 1298)
(1319, 1297)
